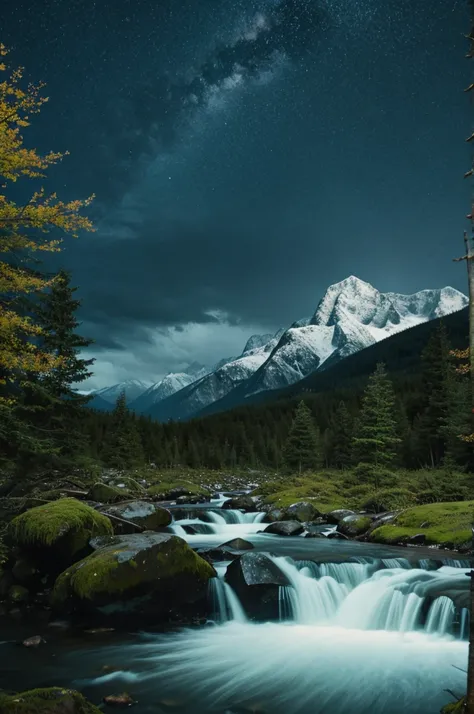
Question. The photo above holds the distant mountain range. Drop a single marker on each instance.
(351, 316)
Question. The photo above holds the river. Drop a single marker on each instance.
(360, 628)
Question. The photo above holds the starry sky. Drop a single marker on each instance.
(245, 155)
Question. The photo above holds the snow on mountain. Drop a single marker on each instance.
(171, 383)
(215, 385)
(255, 342)
(132, 388)
(351, 316)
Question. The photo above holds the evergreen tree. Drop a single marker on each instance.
(376, 439)
(458, 423)
(302, 448)
(123, 447)
(49, 403)
(341, 434)
(435, 398)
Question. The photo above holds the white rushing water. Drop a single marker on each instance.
(373, 635)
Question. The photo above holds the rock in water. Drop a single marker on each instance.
(240, 503)
(119, 700)
(147, 515)
(146, 573)
(256, 580)
(304, 512)
(238, 544)
(285, 528)
(354, 525)
(335, 517)
(34, 641)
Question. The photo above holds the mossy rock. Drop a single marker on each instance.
(18, 593)
(59, 530)
(147, 515)
(455, 707)
(128, 567)
(127, 483)
(447, 524)
(54, 700)
(103, 493)
(355, 525)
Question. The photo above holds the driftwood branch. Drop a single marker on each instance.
(471, 86)
(469, 173)
(455, 696)
(461, 670)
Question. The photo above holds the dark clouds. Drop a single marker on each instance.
(247, 154)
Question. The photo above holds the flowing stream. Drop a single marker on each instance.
(369, 632)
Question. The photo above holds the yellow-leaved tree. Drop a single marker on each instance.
(37, 225)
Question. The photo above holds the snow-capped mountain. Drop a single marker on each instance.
(351, 315)
(171, 383)
(219, 383)
(132, 388)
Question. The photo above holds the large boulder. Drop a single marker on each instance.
(256, 580)
(240, 503)
(104, 493)
(56, 534)
(285, 528)
(54, 700)
(355, 525)
(304, 512)
(335, 517)
(238, 544)
(275, 514)
(139, 574)
(143, 513)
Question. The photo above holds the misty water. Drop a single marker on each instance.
(360, 628)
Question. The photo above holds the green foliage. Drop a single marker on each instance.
(441, 523)
(46, 525)
(123, 447)
(376, 435)
(389, 500)
(302, 449)
(341, 434)
(46, 701)
(458, 707)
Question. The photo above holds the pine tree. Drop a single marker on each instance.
(341, 434)
(302, 448)
(376, 437)
(459, 453)
(123, 447)
(434, 410)
(49, 405)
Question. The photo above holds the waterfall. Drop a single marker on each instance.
(464, 625)
(215, 526)
(353, 596)
(225, 602)
(440, 616)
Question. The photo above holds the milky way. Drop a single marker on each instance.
(244, 156)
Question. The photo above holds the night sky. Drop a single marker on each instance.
(245, 155)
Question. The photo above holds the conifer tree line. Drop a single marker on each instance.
(46, 423)
(384, 425)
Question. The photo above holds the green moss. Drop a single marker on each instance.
(18, 593)
(114, 568)
(126, 483)
(389, 500)
(65, 520)
(361, 525)
(53, 700)
(441, 523)
(164, 487)
(455, 707)
(103, 493)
